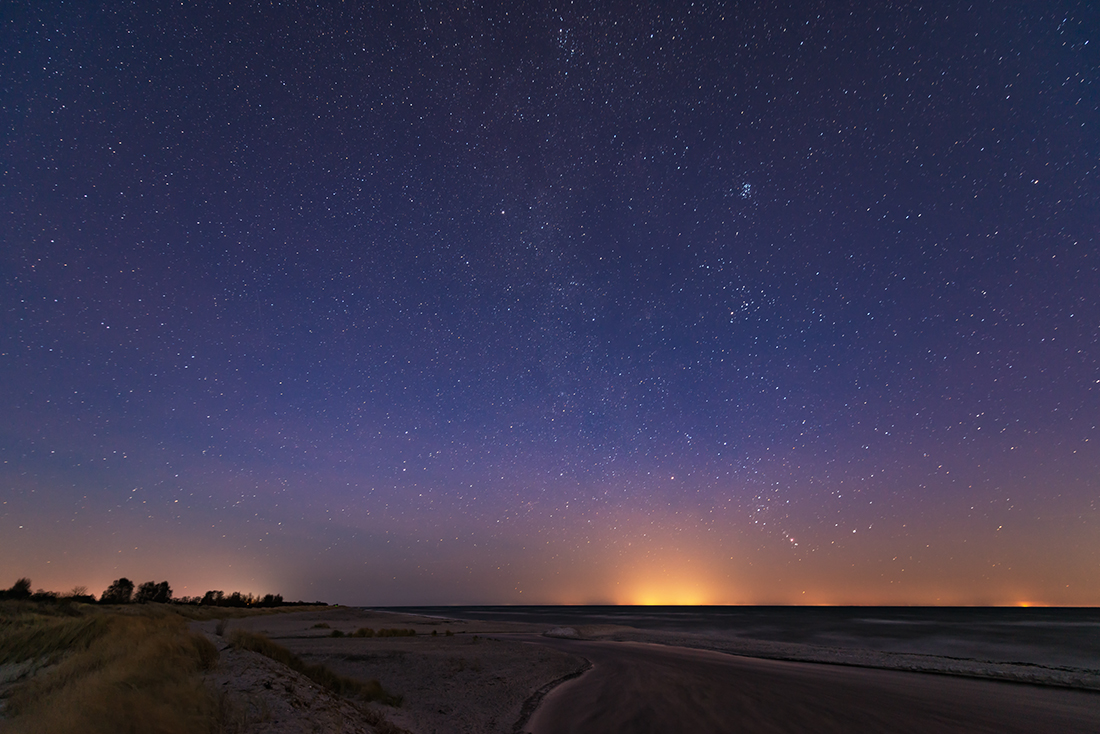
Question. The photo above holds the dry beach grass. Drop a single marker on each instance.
(99, 671)
(90, 669)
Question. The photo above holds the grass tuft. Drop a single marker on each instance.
(368, 632)
(367, 690)
(36, 636)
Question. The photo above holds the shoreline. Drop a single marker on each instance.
(1068, 677)
(643, 687)
(531, 705)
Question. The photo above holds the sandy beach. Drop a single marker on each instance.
(510, 676)
(477, 679)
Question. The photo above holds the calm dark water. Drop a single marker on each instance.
(1044, 636)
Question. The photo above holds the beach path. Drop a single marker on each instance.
(638, 687)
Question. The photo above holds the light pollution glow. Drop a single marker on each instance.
(639, 558)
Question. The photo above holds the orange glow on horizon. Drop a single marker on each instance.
(668, 597)
(676, 580)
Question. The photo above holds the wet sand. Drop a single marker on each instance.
(636, 687)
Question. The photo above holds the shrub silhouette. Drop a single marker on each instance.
(78, 593)
(21, 589)
(368, 632)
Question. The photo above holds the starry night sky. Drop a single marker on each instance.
(489, 303)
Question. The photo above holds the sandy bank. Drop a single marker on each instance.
(470, 681)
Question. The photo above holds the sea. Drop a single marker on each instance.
(1048, 636)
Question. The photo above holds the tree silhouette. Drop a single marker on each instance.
(271, 600)
(119, 592)
(152, 591)
(145, 592)
(213, 598)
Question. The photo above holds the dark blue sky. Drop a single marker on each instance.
(501, 303)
